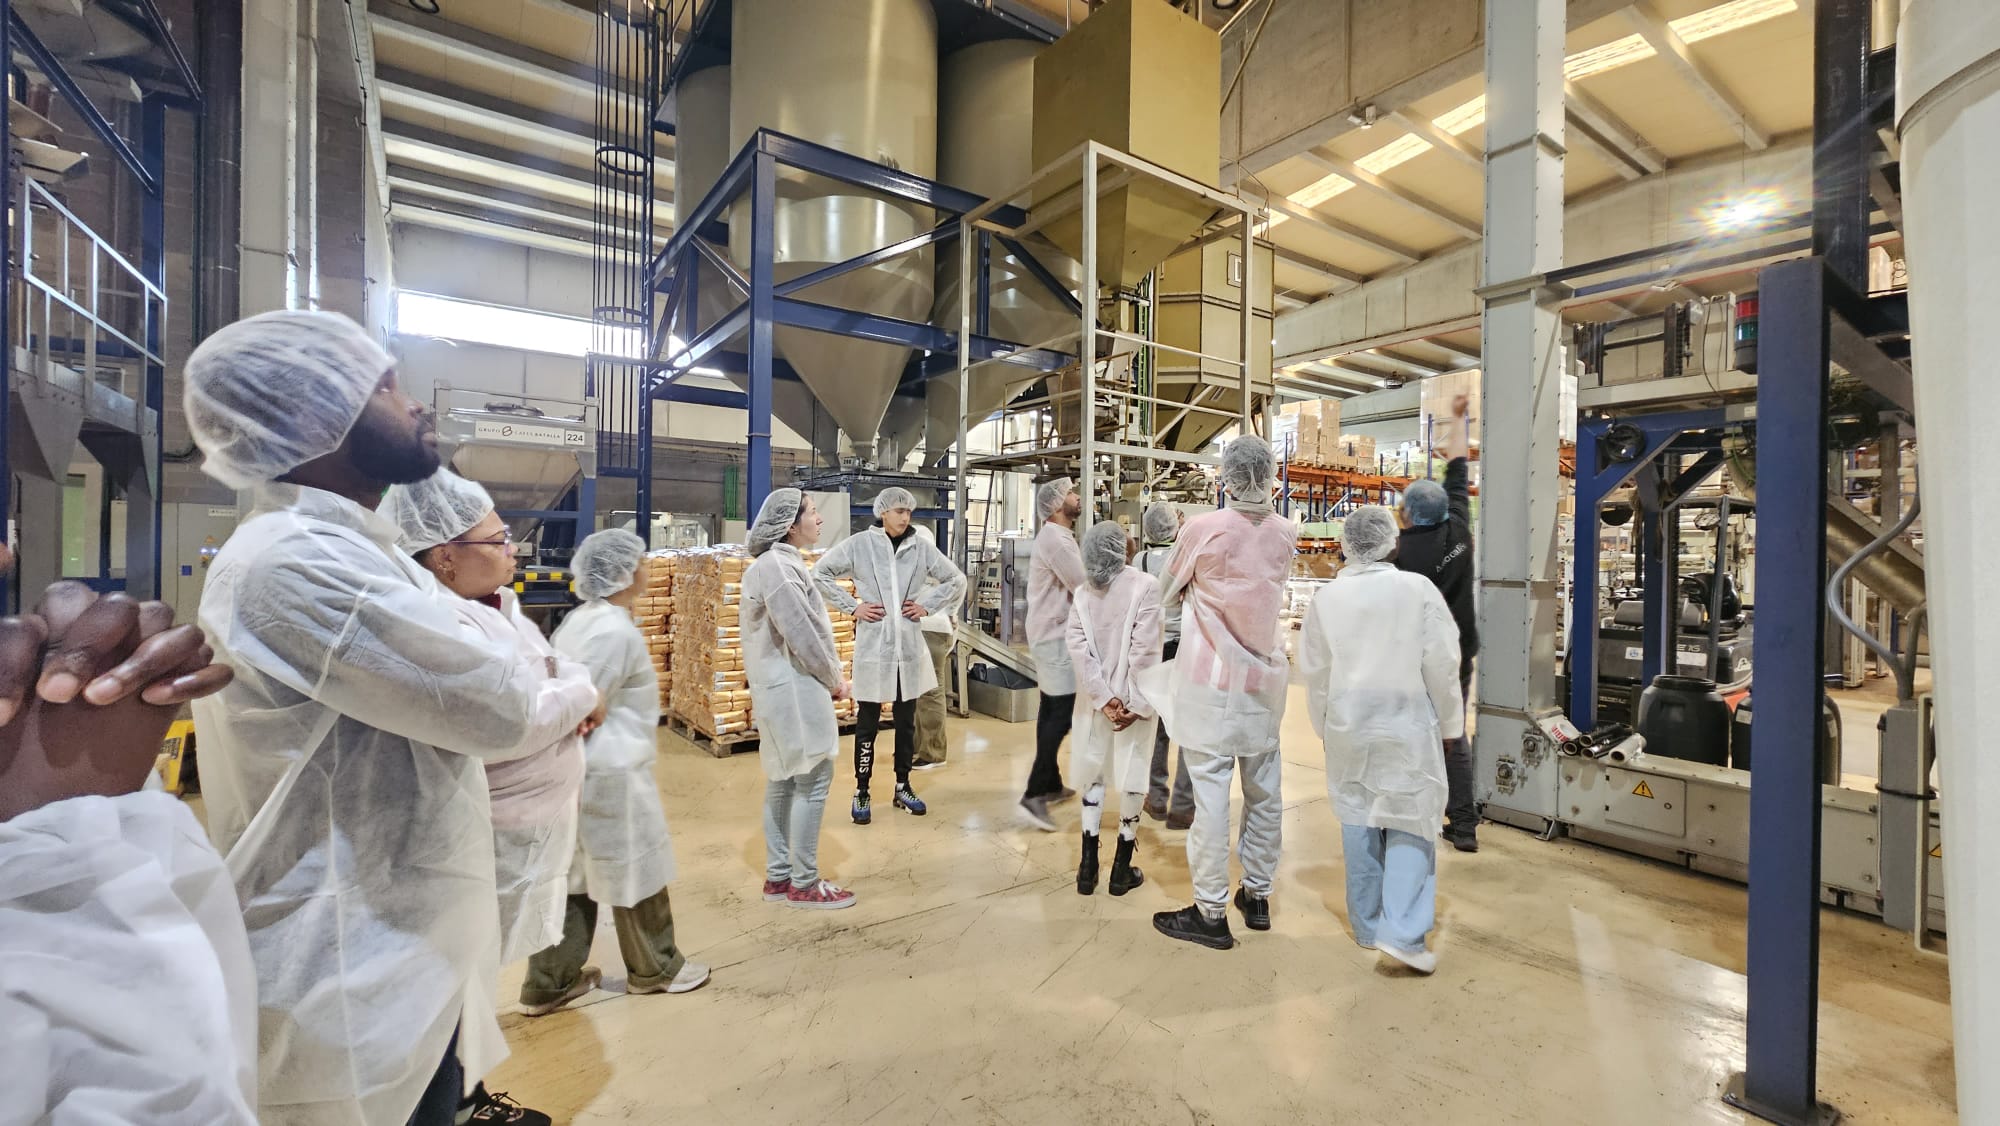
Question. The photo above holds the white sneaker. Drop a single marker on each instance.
(691, 978)
(1420, 959)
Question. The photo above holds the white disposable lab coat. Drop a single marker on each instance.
(534, 797)
(1224, 692)
(792, 663)
(625, 854)
(1114, 635)
(1379, 655)
(1055, 574)
(891, 661)
(342, 773)
(126, 989)
(1153, 561)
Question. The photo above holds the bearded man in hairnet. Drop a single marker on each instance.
(1113, 637)
(1054, 573)
(343, 767)
(624, 855)
(900, 578)
(1225, 691)
(1379, 654)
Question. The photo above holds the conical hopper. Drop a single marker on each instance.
(1123, 78)
(859, 76)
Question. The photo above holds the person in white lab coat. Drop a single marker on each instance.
(1114, 635)
(342, 768)
(1223, 696)
(1169, 793)
(624, 854)
(899, 578)
(793, 666)
(1379, 655)
(127, 992)
(1055, 571)
(448, 524)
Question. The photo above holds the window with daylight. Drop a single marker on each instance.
(475, 322)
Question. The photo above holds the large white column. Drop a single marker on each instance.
(1520, 484)
(270, 182)
(1948, 106)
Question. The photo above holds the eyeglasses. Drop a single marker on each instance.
(506, 540)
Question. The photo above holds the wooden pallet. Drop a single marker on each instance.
(721, 746)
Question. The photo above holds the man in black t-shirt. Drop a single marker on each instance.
(1437, 543)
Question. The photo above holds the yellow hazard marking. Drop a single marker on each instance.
(1642, 790)
(1937, 850)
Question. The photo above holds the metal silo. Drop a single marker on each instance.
(860, 76)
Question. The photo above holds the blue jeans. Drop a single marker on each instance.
(1391, 886)
(792, 811)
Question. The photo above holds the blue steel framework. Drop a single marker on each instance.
(768, 303)
(147, 165)
(1666, 440)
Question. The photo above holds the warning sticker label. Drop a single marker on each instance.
(1642, 790)
(1937, 850)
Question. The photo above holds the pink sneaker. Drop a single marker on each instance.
(777, 891)
(822, 896)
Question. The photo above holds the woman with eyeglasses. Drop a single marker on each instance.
(448, 524)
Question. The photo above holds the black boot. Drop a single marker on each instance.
(1124, 874)
(1086, 869)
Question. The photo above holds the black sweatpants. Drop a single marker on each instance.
(1461, 812)
(867, 724)
(1052, 723)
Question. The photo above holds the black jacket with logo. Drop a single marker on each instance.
(1442, 553)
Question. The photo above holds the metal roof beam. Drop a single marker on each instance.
(413, 144)
(411, 181)
(450, 219)
(403, 22)
(1412, 367)
(1362, 178)
(1325, 271)
(410, 91)
(1667, 43)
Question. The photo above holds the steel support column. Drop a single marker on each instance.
(1779, 1078)
(1522, 338)
(763, 250)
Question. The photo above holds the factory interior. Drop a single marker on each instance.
(1695, 281)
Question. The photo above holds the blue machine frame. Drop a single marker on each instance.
(768, 303)
(1668, 435)
(147, 165)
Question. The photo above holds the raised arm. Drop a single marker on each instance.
(836, 564)
(391, 654)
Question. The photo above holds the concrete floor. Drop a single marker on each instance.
(971, 984)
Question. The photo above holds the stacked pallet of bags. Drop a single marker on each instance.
(655, 615)
(710, 690)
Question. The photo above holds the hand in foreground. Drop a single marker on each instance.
(595, 719)
(84, 730)
(845, 691)
(913, 611)
(1461, 406)
(870, 612)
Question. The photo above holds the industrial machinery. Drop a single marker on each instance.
(536, 455)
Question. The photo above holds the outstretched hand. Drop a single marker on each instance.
(108, 676)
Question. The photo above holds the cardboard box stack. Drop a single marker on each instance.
(655, 615)
(1435, 397)
(1315, 430)
(1356, 452)
(710, 690)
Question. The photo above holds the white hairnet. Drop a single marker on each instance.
(435, 511)
(1049, 498)
(1161, 523)
(268, 394)
(1104, 552)
(605, 563)
(775, 518)
(893, 497)
(1248, 468)
(1369, 535)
